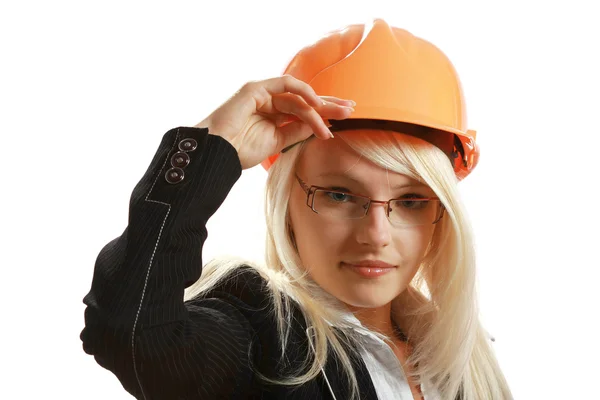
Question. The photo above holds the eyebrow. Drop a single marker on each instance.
(350, 178)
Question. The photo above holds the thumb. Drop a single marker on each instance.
(295, 132)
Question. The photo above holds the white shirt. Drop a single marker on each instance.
(385, 369)
(386, 372)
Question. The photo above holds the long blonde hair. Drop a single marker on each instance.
(438, 311)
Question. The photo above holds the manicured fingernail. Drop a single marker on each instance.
(330, 134)
(351, 102)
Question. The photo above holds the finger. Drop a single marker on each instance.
(338, 101)
(292, 104)
(287, 83)
(280, 119)
(334, 110)
(287, 101)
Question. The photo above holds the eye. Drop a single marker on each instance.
(407, 202)
(338, 197)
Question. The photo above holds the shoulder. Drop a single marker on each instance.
(246, 288)
(249, 292)
(244, 283)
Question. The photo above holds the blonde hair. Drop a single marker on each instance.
(438, 311)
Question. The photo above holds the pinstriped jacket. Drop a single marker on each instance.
(160, 347)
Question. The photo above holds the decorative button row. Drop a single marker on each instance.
(180, 160)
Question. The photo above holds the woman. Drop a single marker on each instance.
(369, 285)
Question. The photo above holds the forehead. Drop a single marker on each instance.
(321, 159)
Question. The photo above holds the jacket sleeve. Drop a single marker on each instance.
(136, 322)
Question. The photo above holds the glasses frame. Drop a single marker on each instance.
(310, 191)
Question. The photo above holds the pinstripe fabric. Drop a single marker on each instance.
(136, 323)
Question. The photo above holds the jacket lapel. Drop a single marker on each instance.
(336, 380)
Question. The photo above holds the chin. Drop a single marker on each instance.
(368, 300)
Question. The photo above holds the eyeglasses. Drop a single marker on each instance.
(409, 210)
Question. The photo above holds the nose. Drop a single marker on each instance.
(374, 229)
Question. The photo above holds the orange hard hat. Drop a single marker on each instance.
(398, 81)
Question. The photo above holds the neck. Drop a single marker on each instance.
(376, 319)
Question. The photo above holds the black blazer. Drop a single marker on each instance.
(160, 347)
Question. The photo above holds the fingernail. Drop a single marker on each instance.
(352, 102)
(331, 134)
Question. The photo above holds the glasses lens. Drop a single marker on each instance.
(339, 204)
(414, 211)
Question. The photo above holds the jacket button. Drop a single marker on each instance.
(180, 160)
(188, 145)
(174, 175)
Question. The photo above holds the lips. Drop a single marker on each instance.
(369, 268)
(377, 264)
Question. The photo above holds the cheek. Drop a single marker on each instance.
(318, 239)
(412, 244)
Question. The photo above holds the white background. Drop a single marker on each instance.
(87, 89)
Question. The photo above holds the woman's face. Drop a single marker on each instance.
(327, 245)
